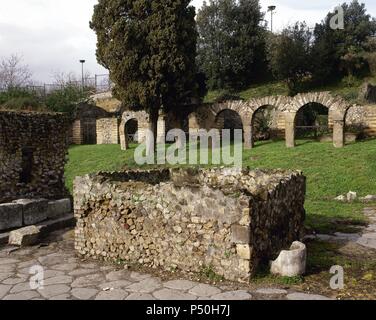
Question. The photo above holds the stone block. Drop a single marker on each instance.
(27, 236)
(34, 211)
(10, 216)
(240, 234)
(59, 208)
(244, 251)
(291, 263)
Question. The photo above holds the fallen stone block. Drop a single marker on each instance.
(341, 198)
(10, 216)
(369, 198)
(291, 263)
(27, 236)
(351, 196)
(59, 208)
(34, 211)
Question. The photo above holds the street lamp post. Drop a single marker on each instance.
(83, 80)
(271, 10)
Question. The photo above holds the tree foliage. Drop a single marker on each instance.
(149, 46)
(231, 42)
(339, 52)
(289, 55)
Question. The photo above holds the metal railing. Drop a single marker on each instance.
(98, 84)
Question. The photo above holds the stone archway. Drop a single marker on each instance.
(205, 117)
(142, 119)
(337, 112)
(279, 103)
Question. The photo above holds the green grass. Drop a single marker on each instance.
(329, 171)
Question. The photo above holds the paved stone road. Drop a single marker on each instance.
(366, 238)
(67, 277)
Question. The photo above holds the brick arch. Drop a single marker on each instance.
(280, 103)
(142, 118)
(337, 113)
(336, 105)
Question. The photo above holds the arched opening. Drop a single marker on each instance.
(263, 122)
(131, 131)
(312, 123)
(230, 120)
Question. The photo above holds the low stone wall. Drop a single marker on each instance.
(224, 219)
(33, 153)
(27, 212)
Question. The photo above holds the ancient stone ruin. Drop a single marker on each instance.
(227, 220)
(33, 153)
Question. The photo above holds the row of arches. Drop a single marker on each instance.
(320, 112)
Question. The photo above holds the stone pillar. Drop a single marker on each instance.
(290, 129)
(248, 137)
(124, 143)
(161, 129)
(338, 133)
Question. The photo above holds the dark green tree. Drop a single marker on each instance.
(289, 55)
(231, 42)
(339, 52)
(149, 47)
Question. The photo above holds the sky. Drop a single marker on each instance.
(53, 35)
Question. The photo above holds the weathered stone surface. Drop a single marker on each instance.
(180, 284)
(25, 295)
(34, 211)
(204, 290)
(351, 196)
(10, 216)
(54, 290)
(140, 296)
(41, 140)
(84, 293)
(4, 290)
(91, 280)
(145, 286)
(116, 294)
(304, 296)
(27, 236)
(369, 198)
(58, 280)
(170, 294)
(291, 263)
(181, 224)
(59, 208)
(271, 291)
(233, 295)
(119, 284)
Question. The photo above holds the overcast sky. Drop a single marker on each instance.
(52, 35)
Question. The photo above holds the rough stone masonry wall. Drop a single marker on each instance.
(107, 131)
(225, 219)
(45, 137)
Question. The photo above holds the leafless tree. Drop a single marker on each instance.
(14, 73)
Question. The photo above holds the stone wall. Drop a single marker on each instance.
(225, 219)
(33, 153)
(107, 131)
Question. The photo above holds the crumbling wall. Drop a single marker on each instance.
(227, 220)
(33, 153)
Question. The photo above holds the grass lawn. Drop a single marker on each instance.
(330, 172)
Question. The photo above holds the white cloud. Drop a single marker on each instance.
(52, 35)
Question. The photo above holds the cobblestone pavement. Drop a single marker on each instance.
(68, 277)
(366, 238)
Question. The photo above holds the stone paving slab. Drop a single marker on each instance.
(67, 277)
